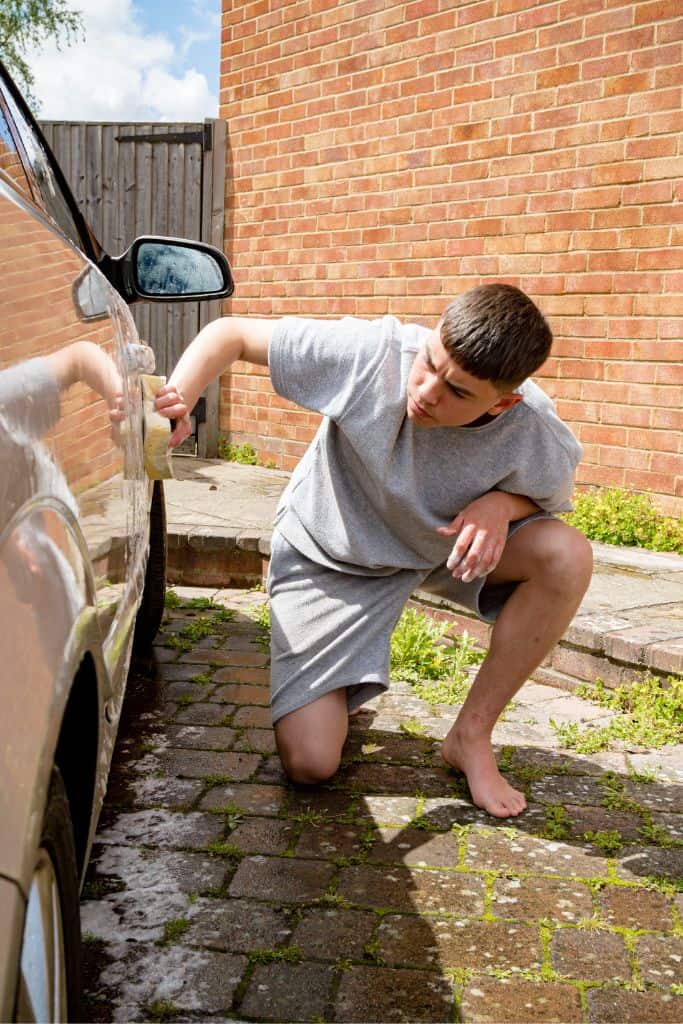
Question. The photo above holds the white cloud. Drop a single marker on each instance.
(118, 73)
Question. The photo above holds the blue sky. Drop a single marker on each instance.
(140, 60)
(177, 20)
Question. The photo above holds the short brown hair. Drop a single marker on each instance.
(495, 332)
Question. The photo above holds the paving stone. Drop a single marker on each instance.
(635, 862)
(329, 803)
(616, 1005)
(400, 889)
(590, 955)
(251, 798)
(288, 992)
(260, 741)
(191, 979)
(239, 676)
(334, 933)
(401, 779)
(490, 1001)
(252, 717)
(416, 847)
(242, 693)
(263, 835)
(220, 656)
(628, 907)
(243, 641)
(185, 692)
(163, 655)
(661, 959)
(157, 870)
(600, 819)
(189, 830)
(387, 810)
(371, 746)
(282, 879)
(271, 772)
(671, 823)
(459, 943)
(201, 737)
(169, 793)
(203, 714)
(532, 899)
(567, 789)
(379, 995)
(177, 673)
(199, 763)
(656, 796)
(330, 841)
(237, 926)
(497, 851)
(444, 812)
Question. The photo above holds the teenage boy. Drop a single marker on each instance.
(438, 464)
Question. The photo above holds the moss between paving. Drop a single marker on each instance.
(219, 891)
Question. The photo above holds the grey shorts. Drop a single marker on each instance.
(331, 629)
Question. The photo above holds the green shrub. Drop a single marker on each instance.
(615, 516)
(245, 454)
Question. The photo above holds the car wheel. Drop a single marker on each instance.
(50, 967)
(151, 608)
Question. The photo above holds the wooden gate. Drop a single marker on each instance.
(165, 179)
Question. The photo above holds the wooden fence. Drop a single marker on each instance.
(133, 179)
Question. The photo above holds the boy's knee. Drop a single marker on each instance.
(566, 556)
(307, 763)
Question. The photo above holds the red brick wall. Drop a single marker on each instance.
(385, 156)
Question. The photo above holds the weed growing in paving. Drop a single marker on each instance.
(609, 841)
(244, 454)
(412, 727)
(197, 629)
(160, 1010)
(614, 516)
(558, 824)
(648, 713)
(174, 931)
(436, 671)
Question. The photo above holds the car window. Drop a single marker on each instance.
(10, 160)
(45, 186)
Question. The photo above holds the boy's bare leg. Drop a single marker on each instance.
(310, 740)
(553, 563)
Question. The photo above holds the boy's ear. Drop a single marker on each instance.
(505, 401)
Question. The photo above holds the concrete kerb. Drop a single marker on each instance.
(630, 623)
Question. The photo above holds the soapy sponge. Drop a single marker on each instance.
(156, 431)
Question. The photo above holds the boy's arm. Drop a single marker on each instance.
(481, 529)
(215, 348)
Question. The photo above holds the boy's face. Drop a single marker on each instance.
(442, 394)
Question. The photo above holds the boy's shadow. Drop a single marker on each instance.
(456, 889)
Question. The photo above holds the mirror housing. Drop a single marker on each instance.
(158, 269)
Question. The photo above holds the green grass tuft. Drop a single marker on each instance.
(648, 713)
(436, 671)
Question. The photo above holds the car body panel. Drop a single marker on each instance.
(74, 501)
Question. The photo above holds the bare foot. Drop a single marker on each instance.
(489, 790)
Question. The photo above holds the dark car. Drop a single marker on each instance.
(82, 541)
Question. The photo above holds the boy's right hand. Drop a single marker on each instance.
(170, 402)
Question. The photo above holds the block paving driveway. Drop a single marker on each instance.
(218, 891)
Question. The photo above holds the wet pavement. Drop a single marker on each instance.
(218, 891)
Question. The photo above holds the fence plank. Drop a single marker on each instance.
(129, 187)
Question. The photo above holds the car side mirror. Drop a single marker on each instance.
(156, 269)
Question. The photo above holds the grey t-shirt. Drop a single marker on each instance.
(372, 488)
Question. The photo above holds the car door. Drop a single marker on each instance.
(71, 336)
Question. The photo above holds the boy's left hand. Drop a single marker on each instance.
(481, 529)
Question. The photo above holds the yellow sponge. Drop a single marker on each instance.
(156, 431)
